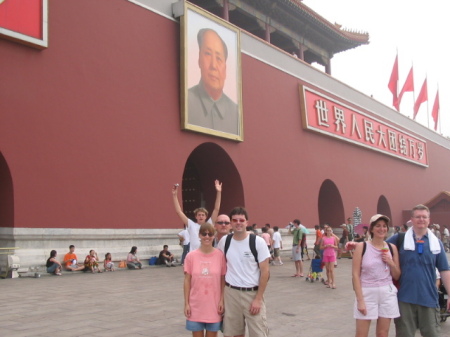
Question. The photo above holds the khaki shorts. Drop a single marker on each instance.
(413, 317)
(276, 252)
(237, 314)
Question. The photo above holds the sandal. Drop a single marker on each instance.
(295, 275)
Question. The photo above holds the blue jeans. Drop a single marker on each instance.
(185, 251)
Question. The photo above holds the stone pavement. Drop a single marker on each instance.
(149, 302)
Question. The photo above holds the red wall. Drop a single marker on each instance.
(90, 131)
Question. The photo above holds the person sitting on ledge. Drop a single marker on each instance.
(53, 265)
(107, 263)
(132, 260)
(91, 261)
(166, 257)
(70, 260)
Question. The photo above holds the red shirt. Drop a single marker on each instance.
(318, 236)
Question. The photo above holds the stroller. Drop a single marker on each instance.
(443, 296)
(315, 270)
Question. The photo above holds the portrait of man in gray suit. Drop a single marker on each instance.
(208, 105)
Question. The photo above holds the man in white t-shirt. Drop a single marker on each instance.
(201, 214)
(277, 245)
(245, 280)
(445, 238)
(185, 242)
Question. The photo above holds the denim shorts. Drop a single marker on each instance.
(52, 268)
(198, 326)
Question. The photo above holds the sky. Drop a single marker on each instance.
(415, 30)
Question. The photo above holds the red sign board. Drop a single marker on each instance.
(24, 21)
(333, 118)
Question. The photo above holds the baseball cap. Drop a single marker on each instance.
(377, 217)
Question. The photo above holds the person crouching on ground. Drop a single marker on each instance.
(53, 265)
(204, 281)
(91, 261)
(132, 260)
(166, 257)
(108, 264)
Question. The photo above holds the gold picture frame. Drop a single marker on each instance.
(211, 90)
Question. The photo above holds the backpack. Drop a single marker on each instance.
(365, 244)
(400, 240)
(152, 261)
(252, 242)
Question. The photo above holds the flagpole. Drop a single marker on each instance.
(439, 112)
(414, 90)
(428, 105)
(438, 115)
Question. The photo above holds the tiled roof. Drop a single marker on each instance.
(305, 11)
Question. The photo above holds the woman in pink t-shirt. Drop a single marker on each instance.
(204, 280)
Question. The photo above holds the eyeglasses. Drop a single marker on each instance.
(238, 220)
(223, 222)
(207, 234)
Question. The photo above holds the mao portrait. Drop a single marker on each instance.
(212, 87)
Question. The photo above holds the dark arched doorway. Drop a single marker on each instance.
(6, 195)
(205, 164)
(331, 208)
(383, 207)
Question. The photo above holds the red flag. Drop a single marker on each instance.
(435, 112)
(408, 86)
(393, 83)
(423, 97)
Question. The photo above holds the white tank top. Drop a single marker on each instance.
(375, 272)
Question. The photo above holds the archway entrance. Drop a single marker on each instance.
(6, 195)
(331, 208)
(383, 207)
(205, 164)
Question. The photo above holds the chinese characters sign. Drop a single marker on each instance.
(330, 117)
(24, 21)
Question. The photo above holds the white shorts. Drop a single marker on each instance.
(380, 302)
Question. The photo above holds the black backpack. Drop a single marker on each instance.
(400, 239)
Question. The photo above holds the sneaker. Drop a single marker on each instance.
(167, 263)
(58, 274)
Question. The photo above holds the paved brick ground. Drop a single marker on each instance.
(149, 302)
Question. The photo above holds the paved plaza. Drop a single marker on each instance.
(149, 302)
